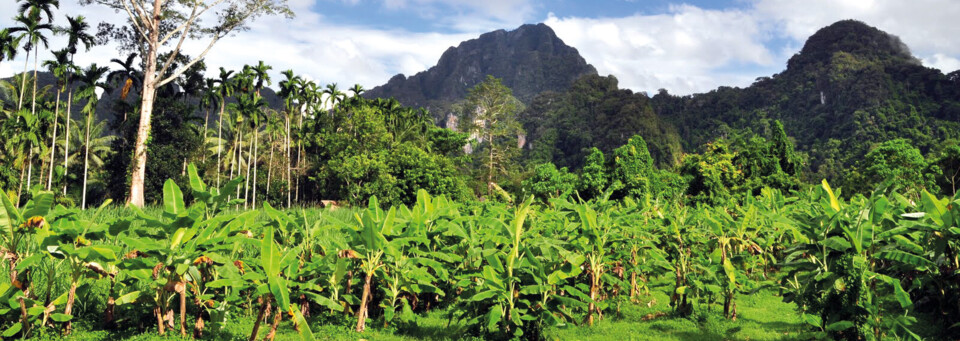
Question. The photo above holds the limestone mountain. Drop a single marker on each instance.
(529, 60)
(849, 88)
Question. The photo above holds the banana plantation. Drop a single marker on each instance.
(864, 268)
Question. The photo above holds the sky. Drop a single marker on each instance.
(682, 46)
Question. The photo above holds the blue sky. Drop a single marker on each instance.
(682, 46)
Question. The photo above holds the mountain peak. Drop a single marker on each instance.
(854, 37)
(530, 59)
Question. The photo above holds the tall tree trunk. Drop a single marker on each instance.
(270, 166)
(256, 146)
(66, 140)
(23, 82)
(53, 141)
(86, 163)
(246, 187)
(296, 195)
(490, 167)
(33, 101)
(30, 168)
(206, 120)
(146, 109)
(23, 173)
(223, 104)
(289, 160)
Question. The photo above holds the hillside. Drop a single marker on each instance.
(849, 88)
(530, 60)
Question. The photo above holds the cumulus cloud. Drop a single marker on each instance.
(308, 44)
(683, 50)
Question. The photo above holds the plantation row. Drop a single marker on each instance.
(858, 269)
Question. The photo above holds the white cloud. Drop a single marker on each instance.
(683, 50)
(308, 44)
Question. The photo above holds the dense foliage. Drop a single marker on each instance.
(858, 269)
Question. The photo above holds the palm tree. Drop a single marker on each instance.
(8, 45)
(38, 7)
(290, 92)
(90, 81)
(207, 100)
(76, 32)
(357, 90)
(32, 29)
(128, 75)
(94, 149)
(225, 86)
(60, 66)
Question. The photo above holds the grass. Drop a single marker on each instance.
(761, 316)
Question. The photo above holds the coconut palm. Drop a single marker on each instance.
(90, 81)
(8, 45)
(60, 66)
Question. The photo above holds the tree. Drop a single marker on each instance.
(32, 29)
(712, 175)
(593, 176)
(8, 45)
(898, 162)
(157, 23)
(224, 88)
(632, 168)
(127, 76)
(947, 168)
(549, 182)
(76, 34)
(489, 114)
(90, 82)
(60, 67)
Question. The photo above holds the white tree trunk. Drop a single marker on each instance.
(146, 109)
(53, 141)
(66, 147)
(86, 162)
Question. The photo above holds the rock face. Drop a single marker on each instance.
(530, 60)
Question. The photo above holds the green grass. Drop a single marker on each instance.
(761, 316)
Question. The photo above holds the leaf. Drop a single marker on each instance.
(196, 184)
(905, 258)
(728, 268)
(14, 329)
(837, 243)
(269, 256)
(494, 316)
(172, 198)
(10, 217)
(29, 261)
(934, 208)
(840, 325)
(278, 288)
(833, 198)
(58, 317)
(41, 205)
(907, 244)
(127, 298)
(300, 323)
